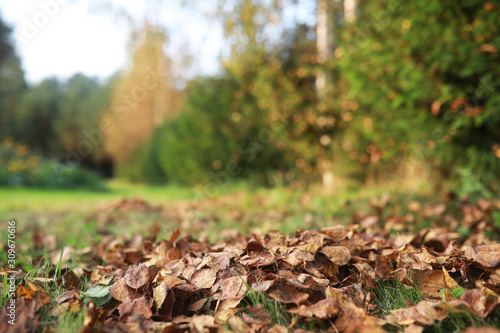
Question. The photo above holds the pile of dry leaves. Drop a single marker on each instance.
(320, 279)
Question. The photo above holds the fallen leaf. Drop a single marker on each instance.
(234, 287)
(121, 291)
(139, 307)
(285, 293)
(137, 277)
(339, 255)
(204, 278)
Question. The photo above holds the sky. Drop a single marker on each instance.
(62, 37)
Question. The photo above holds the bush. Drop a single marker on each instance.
(211, 142)
(144, 164)
(18, 167)
(425, 78)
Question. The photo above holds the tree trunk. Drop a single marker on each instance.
(324, 47)
(324, 42)
(350, 10)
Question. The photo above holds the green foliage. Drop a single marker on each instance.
(18, 167)
(12, 82)
(457, 292)
(203, 133)
(426, 74)
(35, 118)
(98, 294)
(144, 164)
(208, 142)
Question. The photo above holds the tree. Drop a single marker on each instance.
(36, 115)
(424, 77)
(143, 98)
(83, 100)
(12, 83)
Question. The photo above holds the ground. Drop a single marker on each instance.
(167, 259)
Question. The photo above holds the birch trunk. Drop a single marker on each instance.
(350, 10)
(324, 47)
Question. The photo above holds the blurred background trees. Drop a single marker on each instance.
(384, 91)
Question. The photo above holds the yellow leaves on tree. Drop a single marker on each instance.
(142, 99)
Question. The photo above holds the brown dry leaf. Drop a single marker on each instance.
(383, 267)
(67, 253)
(278, 329)
(313, 243)
(476, 300)
(204, 278)
(167, 308)
(68, 296)
(238, 325)
(260, 312)
(99, 273)
(159, 294)
(339, 255)
(234, 287)
(197, 277)
(137, 277)
(354, 317)
(302, 311)
(170, 280)
(431, 282)
(369, 221)
(72, 306)
(337, 233)
(338, 296)
(257, 258)
(481, 330)
(485, 255)
(251, 320)
(139, 307)
(32, 292)
(70, 281)
(26, 315)
(298, 257)
(324, 309)
(225, 315)
(425, 312)
(219, 261)
(199, 323)
(495, 278)
(121, 291)
(274, 237)
(133, 255)
(312, 281)
(262, 286)
(175, 235)
(285, 293)
(90, 319)
(196, 306)
(375, 329)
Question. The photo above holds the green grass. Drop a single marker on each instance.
(392, 294)
(71, 322)
(43, 268)
(73, 216)
(279, 315)
(36, 200)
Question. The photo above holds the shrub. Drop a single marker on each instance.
(18, 167)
